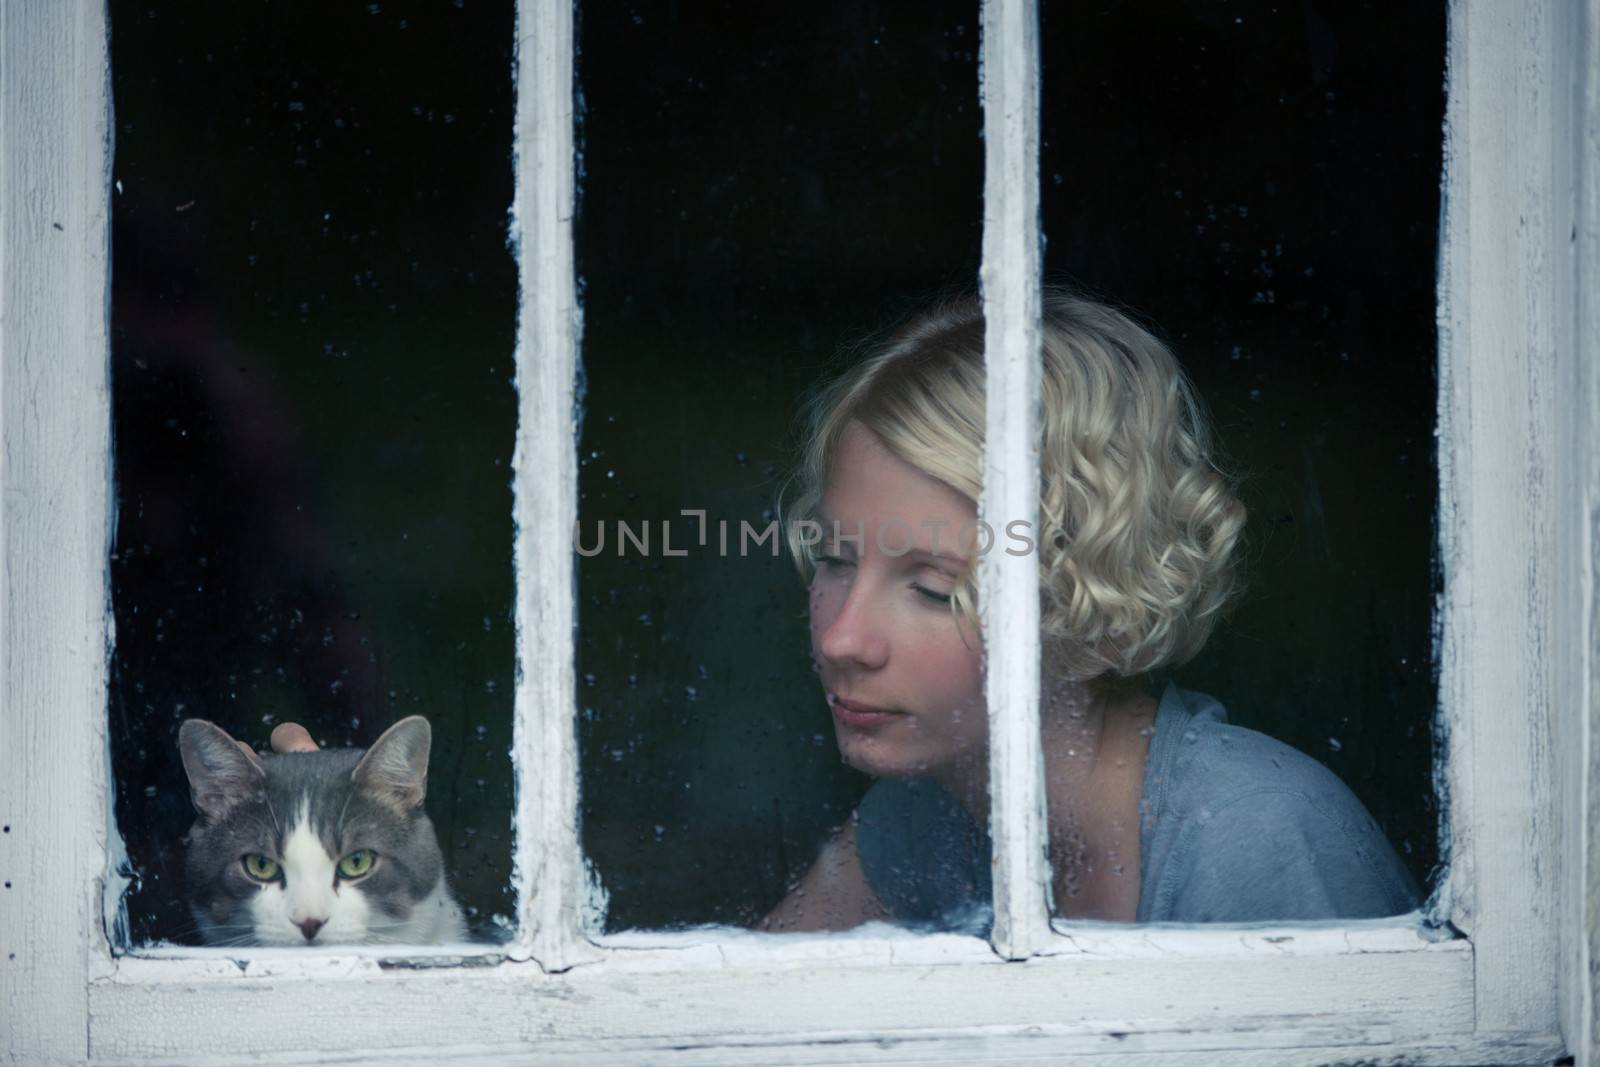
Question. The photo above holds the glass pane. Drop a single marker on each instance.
(313, 327)
(763, 187)
(1262, 189)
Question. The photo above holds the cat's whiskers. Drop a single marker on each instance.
(235, 941)
(339, 823)
(277, 828)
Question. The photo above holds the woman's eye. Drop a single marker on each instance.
(356, 863)
(260, 867)
(936, 597)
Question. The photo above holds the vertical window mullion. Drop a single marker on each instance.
(1009, 591)
(551, 889)
(55, 527)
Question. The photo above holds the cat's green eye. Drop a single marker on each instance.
(356, 863)
(260, 867)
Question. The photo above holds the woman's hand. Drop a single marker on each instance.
(286, 737)
(292, 737)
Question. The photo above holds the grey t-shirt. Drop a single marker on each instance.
(1235, 827)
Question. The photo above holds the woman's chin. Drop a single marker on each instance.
(881, 757)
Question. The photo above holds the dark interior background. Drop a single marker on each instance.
(313, 321)
(1261, 181)
(763, 186)
(766, 187)
(313, 324)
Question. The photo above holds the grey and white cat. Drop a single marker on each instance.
(315, 848)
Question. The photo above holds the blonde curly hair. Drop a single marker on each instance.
(1138, 526)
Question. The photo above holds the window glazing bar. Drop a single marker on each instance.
(1009, 591)
(552, 896)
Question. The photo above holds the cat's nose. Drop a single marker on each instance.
(309, 927)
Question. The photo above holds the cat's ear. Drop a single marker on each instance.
(221, 771)
(395, 768)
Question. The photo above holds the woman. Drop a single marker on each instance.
(1158, 810)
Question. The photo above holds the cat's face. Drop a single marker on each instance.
(312, 848)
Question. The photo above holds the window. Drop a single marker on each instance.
(764, 196)
(1515, 368)
(313, 324)
(740, 219)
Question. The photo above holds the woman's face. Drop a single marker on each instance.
(903, 678)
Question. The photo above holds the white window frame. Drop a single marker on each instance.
(1505, 974)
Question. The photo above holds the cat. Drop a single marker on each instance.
(315, 848)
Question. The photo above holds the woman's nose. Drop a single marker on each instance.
(854, 634)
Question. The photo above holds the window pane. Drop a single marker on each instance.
(763, 187)
(1262, 187)
(313, 331)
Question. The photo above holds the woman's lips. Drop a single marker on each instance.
(861, 716)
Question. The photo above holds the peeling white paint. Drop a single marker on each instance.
(556, 898)
(1367, 997)
(1506, 415)
(1009, 585)
(1578, 739)
(1519, 407)
(55, 531)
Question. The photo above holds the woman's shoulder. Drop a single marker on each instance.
(1200, 760)
(1238, 826)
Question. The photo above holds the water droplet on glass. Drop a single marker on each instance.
(1333, 743)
